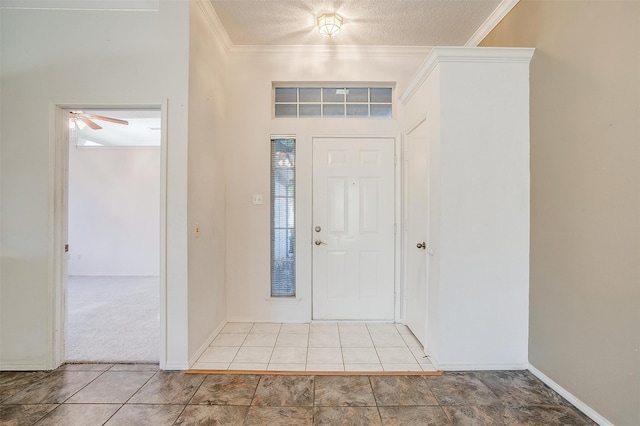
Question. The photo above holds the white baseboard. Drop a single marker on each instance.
(591, 413)
(178, 366)
(24, 367)
(205, 345)
(479, 367)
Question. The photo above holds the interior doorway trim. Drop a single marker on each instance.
(58, 220)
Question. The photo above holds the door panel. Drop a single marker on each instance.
(416, 153)
(353, 208)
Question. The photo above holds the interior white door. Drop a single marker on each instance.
(416, 226)
(353, 220)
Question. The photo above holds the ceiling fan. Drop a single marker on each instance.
(78, 117)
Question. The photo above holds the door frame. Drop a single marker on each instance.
(59, 218)
(398, 208)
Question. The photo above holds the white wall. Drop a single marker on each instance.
(248, 161)
(477, 109)
(114, 211)
(206, 186)
(81, 57)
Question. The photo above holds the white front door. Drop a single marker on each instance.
(416, 226)
(353, 235)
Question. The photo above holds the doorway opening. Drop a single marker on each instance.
(113, 261)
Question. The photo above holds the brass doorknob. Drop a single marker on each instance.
(422, 245)
(318, 242)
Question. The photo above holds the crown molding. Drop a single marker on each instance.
(464, 54)
(490, 23)
(214, 21)
(349, 51)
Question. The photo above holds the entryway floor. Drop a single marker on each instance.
(315, 347)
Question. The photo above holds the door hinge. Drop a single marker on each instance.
(66, 248)
(395, 229)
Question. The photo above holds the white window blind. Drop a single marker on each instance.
(283, 217)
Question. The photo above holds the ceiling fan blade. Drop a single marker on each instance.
(110, 119)
(89, 123)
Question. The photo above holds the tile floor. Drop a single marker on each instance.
(107, 394)
(314, 347)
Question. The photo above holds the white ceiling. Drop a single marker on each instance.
(366, 22)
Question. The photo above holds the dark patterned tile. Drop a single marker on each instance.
(346, 416)
(341, 391)
(12, 382)
(461, 389)
(481, 415)
(402, 390)
(517, 388)
(414, 416)
(226, 389)
(168, 388)
(79, 415)
(19, 415)
(54, 388)
(145, 415)
(548, 415)
(111, 387)
(284, 391)
(279, 416)
(211, 415)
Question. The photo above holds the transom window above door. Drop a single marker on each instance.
(332, 102)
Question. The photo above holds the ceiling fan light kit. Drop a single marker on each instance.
(80, 119)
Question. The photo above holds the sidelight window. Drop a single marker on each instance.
(283, 217)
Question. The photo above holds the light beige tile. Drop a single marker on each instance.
(295, 328)
(237, 327)
(352, 327)
(210, 366)
(420, 356)
(360, 356)
(411, 340)
(388, 340)
(229, 339)
(382, 328)
(283, 355)
(325, 367)
(293, 340)
(218, 354)
(324, 340)
(260, 339)
(363, 367)
(253, 355)
(324, 356)
(403, 329)
(286, 367)
(248, 366)
(428, 367)
(323, 327)
(395, 356)
(402, 367)
(266, 328)
(356, 340)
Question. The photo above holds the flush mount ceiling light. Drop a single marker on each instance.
(329, 24)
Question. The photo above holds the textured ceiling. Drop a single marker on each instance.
(366, 22)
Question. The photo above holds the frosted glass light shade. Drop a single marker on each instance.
(329, 24)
